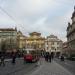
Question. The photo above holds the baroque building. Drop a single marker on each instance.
(64, 48)
(71, 35)
(35, 41)
(8, 39)
(53, 44)
(21, 41)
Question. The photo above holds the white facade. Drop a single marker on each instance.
(53, 44)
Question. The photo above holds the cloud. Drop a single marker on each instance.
(45, 16)
(35, 6)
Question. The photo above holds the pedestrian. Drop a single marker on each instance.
(46, 56)
(24, 57)
(50, 57)
(13, 57)
(2, 60)
(62, 58)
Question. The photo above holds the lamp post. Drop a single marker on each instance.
(55, 52)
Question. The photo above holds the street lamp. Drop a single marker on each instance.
(55, 52)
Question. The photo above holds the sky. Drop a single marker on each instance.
(44, 16)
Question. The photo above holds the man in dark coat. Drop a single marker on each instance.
(62, 57)
(2, 60)
(13, 57)
(50, 57)
(46, 56)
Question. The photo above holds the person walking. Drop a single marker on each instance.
(46, 56)
(13, 57)
(2, 60)
(50, 57)
(62, 58)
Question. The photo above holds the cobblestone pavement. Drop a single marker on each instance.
(52, 68)
(69, 65)
(20, 68)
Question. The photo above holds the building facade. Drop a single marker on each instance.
(64, 48)
(53, 44)
(21, 41)
(35, 41)
(8, 39)
(71, 35)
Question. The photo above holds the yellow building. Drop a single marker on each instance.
(35, 41)
(8, 39)
(21, 42)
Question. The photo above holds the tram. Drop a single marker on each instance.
(31, 55)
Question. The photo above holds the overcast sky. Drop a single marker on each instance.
(44, 16)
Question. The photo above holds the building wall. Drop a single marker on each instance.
(0, 44)
(53, 44)
(8, 38)
(71, 35)
(21, 42)
(35, 41)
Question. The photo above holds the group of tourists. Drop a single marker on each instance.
(49, 56)
(2, 58)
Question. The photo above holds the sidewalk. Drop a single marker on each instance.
(47, 68)
(7, 60)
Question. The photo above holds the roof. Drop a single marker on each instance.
(35, 33)
(31, 38)
(55, 40)
(52, 36)
(7, 29)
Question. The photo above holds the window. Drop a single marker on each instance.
(52, 43)
(58, 48)
(57, 43)
(52, 48)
